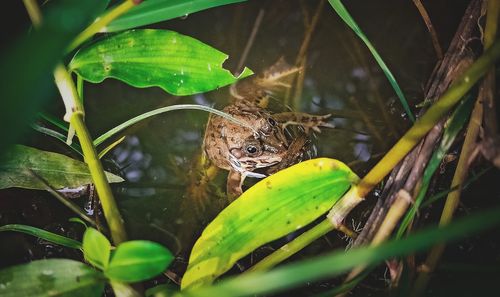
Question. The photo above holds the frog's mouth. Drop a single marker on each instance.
(247, 165)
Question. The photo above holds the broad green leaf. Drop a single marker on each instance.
(178, 64)
(27, 65)
(274, 207)
(347, 18)
(154, 11)
(340, 261)
(52, 277)
(138, 260)
(40, 233)
(96, 248)
(20, 162)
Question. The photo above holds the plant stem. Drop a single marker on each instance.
(292, 247)
(101, 23)
(468, 147)
(74, 115)
(109, 206)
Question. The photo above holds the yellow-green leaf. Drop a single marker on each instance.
(274, 207)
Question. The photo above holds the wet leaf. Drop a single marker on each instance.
(20, 162)
(96, 248)
(40, 233)
(274, 207)
(51, 277)
(138, 260)
(154, 11)
(178, 64)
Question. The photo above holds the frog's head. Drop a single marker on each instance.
(264, 148)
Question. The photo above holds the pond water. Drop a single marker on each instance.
(341, 78)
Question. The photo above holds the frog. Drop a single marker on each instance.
(258, 145)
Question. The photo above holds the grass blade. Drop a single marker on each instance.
(347, 18)
(40, 233)
(154, 11)
(148, 114)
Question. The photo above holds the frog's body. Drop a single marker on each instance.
(261, 142)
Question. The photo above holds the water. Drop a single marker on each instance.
(341, 78)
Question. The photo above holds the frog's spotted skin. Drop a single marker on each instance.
(242, 150)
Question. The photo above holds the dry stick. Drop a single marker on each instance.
(300, 61)
(250, 41)
(489, 112)
(443, 76)
(463, 163)
(69, 204)
(444, 73)
(430, 27)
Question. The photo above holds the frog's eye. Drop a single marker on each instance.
(251, 149)
(271, 122)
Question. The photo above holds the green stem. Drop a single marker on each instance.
(101, 22)
(292, 247)
(109, 206)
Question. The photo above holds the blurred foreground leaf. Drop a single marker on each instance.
(52, 277)
(274, 207)
(20, 162)
(154, 11)
(138, 260)
(27, 65)
(178, 64)
(40, 233)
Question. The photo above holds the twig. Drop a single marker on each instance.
(63, 200)
(300, 61)
(250, 41)
(430, 28)
(463, 162)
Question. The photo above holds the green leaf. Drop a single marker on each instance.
(62, 138)
(20, 162)
(52, 277)
(340, 261)
(154, 11)
(138, 260)
(27, 65)
(40, 233)
(96, 248)
(274, 207)
(178, 64)
(347, 18)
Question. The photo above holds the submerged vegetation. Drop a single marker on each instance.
(274, 220)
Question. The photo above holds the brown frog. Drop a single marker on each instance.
(258, 145)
